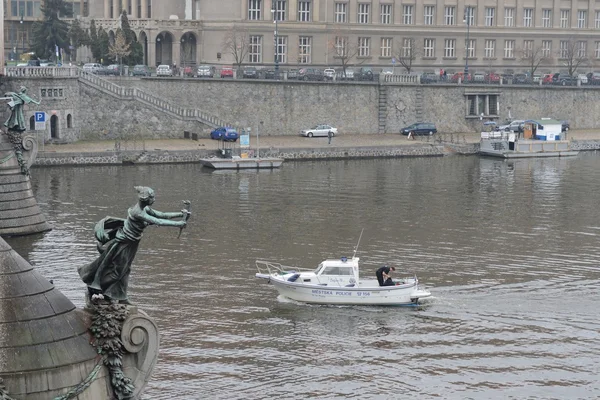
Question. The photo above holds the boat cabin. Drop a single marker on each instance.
(341, 272)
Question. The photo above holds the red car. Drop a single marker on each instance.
(460, 75)
(227, 72)
(547, 79)
(492, 77)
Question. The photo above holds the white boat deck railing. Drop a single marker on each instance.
(273, 268)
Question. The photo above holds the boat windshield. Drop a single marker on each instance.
(318, 269)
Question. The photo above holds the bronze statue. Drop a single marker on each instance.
(118, 241)
(16, 123)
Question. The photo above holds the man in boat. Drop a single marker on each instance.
(383, 274)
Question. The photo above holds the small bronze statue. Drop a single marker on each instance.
(118, 240)
(16, 123)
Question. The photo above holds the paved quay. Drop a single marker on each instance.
(281, 142)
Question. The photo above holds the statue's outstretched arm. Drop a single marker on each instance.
(163, 215)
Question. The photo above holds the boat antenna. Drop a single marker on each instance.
(356, 247)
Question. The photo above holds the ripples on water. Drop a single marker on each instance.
(509, 249)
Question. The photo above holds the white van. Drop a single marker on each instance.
(92, 68)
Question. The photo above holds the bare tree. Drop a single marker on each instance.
(573, 54)
(343, 51)
(237, 43)
(120, 48)
(407, 53)
(533, 58)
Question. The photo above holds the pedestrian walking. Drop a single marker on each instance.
(329, 136)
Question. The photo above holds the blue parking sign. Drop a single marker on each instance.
(40, 116)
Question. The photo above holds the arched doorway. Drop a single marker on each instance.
(188, 50)
(143, 40)
(54, 127)
(32, 123)
(164, 48)
(69, 121)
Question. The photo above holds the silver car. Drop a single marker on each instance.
(320, 130)
(206, 71)
(164, 70)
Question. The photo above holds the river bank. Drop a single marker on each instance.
(288, 147)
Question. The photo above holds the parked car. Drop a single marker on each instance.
(347, 75)
(520, 79)
(364, 74)
(164, 70)
(205, 71)
(91, 67)
(564, 80)
(269, 74)
(113, 69)
(537, 78)
(188, 71)
(225, 134)
(513, 126)
(420, 128)
(329, 73)
(292, 74)
(478, 77)
(492, 77)
(387, 71)
(141, 70)
(547, 79)
(32, 63)
(250, 73)
(227, 72)
(310, 74)
(460, 75)
(429, 77)
(583, 79)
(319, 130)
(593, 78)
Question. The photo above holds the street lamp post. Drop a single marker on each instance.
(468, 11)
(22, 33)
(276, 39)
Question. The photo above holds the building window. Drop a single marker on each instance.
(149, 9)
(470, 16)
(547, 18)
(407, 47)
(546, 48)
(582, 49)
(564, 18)
(32, 123)
(280, 10)
(282, 42)
(304, 11)
(254, 9)
(490, 14)
(482, 104)
(428, 15)
(364, 47)
(386, 47)
(597, 51)
(597, 20)
(69, 121)
(386, 13)
(364, 11)
(509, 49)
(581, 18)
(450, 48)
(527, 48)
(490, 48)
(341, 13)
(564, 49)
(304, 49)
(255, 49)
(471, 48)
(509, 17)
(407, 14)
(429, 48)
(341, 44)
(528, 17)
(449, 15)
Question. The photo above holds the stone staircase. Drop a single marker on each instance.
(382, 107)
(150, 100)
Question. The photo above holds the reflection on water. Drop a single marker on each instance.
(508, 248)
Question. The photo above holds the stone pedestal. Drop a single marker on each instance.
(19, 211)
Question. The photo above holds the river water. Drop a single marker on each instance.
(508, 248)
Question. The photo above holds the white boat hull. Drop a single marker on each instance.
(407, 294)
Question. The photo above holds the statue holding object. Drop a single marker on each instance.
(118, 241)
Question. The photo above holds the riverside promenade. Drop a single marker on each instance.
(289, 147)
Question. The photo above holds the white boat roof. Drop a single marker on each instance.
(341, 262)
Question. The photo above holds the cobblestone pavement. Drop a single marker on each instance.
(371, 140)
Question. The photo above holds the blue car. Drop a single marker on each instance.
(227, 134)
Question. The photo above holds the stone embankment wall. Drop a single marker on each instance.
(285, 108)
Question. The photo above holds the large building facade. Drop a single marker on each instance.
(451, 34)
